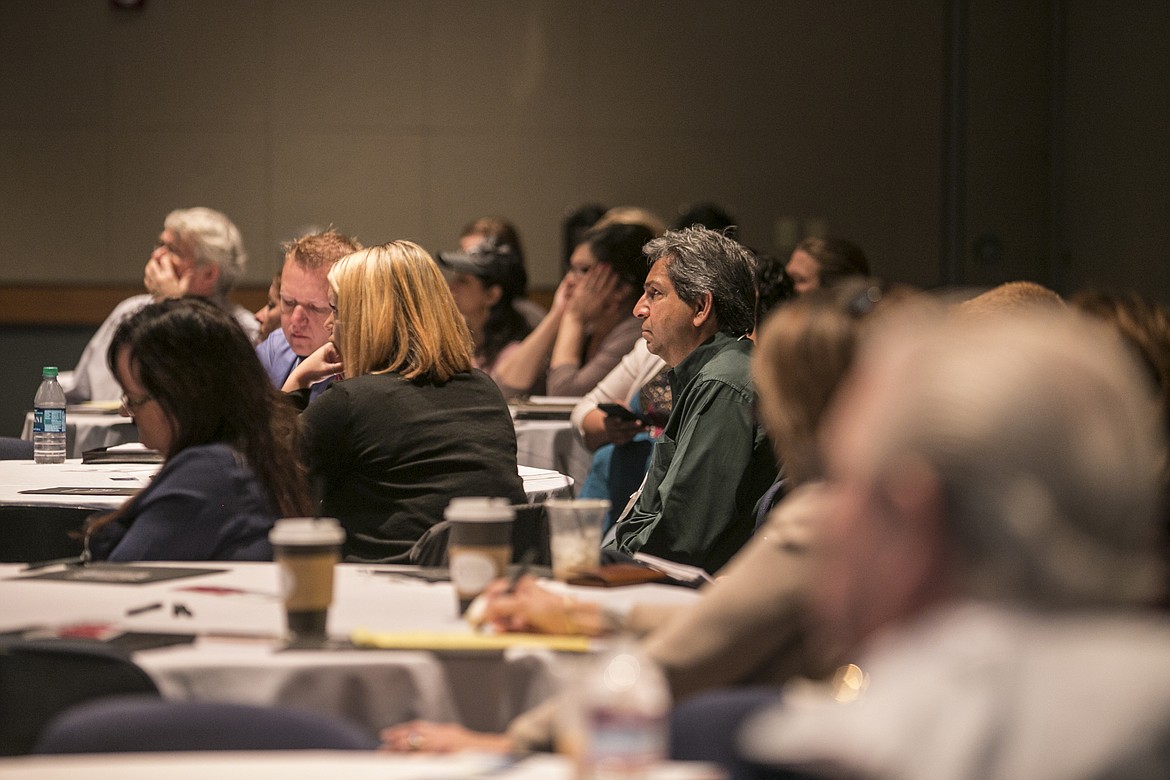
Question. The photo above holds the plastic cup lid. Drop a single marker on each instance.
(483, 510)
(307, 531)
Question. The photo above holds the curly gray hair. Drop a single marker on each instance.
(707, 261)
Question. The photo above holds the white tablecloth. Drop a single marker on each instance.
(552, 444)
(312, 765)
(19, 475)
(540, 444)
(239, 655)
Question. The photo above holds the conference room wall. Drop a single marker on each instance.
(406, 118)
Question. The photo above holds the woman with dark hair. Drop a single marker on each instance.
(500, 234)
(591, 324)
(485, 282)
(188, 375)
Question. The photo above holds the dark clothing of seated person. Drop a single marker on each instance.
(412, 424)
(230, 468)
(205, 504)
(390, 453)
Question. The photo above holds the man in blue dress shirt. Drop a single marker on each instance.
(304, 303)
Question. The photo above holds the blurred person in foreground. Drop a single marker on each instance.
(199, 254)
(989, 555)
(304, 307)
(230, 468)
(412, 423)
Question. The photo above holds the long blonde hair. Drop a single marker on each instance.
(395, 314)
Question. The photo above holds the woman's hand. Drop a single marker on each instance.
(421, 736)
(323, 363)
(564, 294)
(594, 297)
(532, 608)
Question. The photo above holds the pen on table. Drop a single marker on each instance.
(144, 608)
(73, 560)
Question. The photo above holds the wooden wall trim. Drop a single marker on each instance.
(89, 305)
(42, 304)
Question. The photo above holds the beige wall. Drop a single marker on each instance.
(405, 119)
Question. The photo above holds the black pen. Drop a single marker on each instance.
(144, 608)
(521, 569)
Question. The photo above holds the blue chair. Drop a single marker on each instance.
(136, 724)
(705, 727)
(40, 679)
(15, 449)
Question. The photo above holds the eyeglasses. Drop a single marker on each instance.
(288, 304)
(130, 404)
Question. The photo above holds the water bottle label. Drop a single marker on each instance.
(623, 741)
(49, 421)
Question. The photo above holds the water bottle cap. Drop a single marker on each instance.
(48, 371)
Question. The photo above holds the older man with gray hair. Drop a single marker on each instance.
(713, 461)
(199, 253)
(994, 541)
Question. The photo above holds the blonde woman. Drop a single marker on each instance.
(411, 424)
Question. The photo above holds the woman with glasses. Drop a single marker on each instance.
(591, 324)
(188, 373)
(411, 424)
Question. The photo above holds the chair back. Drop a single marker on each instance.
(529, 531)
(40, 533)
(39, 679)
(134, 724)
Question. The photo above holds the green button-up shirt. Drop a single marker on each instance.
(710, 467)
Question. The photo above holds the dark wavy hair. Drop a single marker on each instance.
(620, 246)
(199, 366)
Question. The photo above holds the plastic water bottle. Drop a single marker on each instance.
(624, 704)
(49, 419)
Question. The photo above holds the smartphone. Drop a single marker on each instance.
(620, 412)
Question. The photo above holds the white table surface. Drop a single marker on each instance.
(311, 765)
(552, 444)
(239, 655)
(18, 475)
(543, 444)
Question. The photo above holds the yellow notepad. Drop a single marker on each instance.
(434, 640)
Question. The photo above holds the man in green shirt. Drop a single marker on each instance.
(713, 462)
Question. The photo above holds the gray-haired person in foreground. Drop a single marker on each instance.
(992, 546)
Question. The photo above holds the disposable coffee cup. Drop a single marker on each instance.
(306, 549)
(480, 545)
(575, 534)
